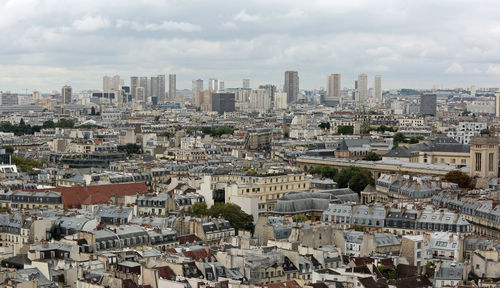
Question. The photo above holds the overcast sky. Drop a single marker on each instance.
(415, 44)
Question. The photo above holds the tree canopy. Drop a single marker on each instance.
(130, 148)
(229, 211)
(372, 156)
(324, 125)
(217, 131)
(345, 130)
(324, 171)
(25, 164)
(458, 177)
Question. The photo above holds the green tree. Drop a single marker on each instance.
(365, 127)
(360, 180)
(48, 124)
(65, 123)
(8, 149)
(345, 130)
(372, 156)
(299, 218)
(458, 177)
(198, 209)
(25, 164)
(324, 125)
(398, 138)
(130, 148)
(324, 171)
(92, 110)
(232, 213)
(343, 177)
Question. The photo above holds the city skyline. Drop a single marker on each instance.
(413, 45)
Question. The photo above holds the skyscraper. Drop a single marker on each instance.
(497, 104)
(333, 87)
(291, 87)
(428, 104)
(172, 79)
(197, 85)
(223, 102)
(140, 94)
(363, 87)
(153, 84)
(161, 89)
(377, 88)
(66, 93)
(106, 83)
(134, 83)
(246, 83)
(144, 83)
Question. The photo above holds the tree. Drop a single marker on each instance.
(345, 130)
(324, 125)
(25, 164)
(360, 180)
(458, 177)
(48, 124)
(65, 123)
(372, 156)
(92, 110)
(398, 138)
(324, 171)
(157, 118)
(232, 213)
(365, 127)
(198, 209)
(343, 177)
(9, 149)
(299, 218)
(130, 148)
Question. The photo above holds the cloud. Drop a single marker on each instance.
(493, 69)
(454, 68)
(229, 26)
(91, 23)
(243, 16)
(164, 26)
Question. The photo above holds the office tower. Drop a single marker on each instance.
(140, 94)
(497, 104)
(220, 85)
(144, 83)
(223, 102)
(473, 91)
(134, 83)
(271, 90)
(197, 85)
(215, 85)
(203, 100)
(153, 84)
(116, 83)
(66, 94)
(377, 88)
(9, 98)
(333, 87)
(172, 79)
(36, 96)
(280, 100)
(428, 104)
(291, 87)
(260, 100)
(161, 89)
(246, 83)
(106, 83)
(363, 87)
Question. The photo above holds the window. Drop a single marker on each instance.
(478, 162)
(490, 162)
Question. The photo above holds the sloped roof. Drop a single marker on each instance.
(75, 197)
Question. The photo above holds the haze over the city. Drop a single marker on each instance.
(48, 44)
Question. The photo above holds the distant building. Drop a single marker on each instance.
(497, 104)
(223, 102)
(66, 94)
(377, 88)
(172, 86)
(280, 100)
(203, 100)
(9, 98)
(428, 104)
(260, 100)
(197, 85)
(484, 156)
(333, 88)
(134, 83)
(363, 87)
(161, 89)
(246, 83)
(291, 87)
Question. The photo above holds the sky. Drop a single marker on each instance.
(45, 44)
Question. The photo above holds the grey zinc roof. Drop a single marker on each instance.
(114, 211)
(450, 271)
